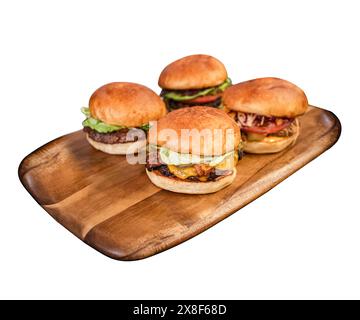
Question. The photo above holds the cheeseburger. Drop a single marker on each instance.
(266, 111)
(118, 117)
(197, 80)
(193, 150)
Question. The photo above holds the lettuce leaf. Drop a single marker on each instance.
(177, 97)
(86, 111)
(103, 127)
(145, 127)
(227, 83)
(100, 126)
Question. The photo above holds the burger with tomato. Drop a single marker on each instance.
(266, 110)
(196, 80)
(193, 150)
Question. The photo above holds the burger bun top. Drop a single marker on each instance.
(267, 97)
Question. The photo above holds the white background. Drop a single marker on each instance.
(300, 240)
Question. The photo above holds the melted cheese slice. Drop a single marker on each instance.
(184, 172)
(170, 157)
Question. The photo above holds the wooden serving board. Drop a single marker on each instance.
(113, 207)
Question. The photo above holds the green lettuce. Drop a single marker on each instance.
(227, 83)
(103, 127)
(145, 127)
(177, 97)
(86, 111)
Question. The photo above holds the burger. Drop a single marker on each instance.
(193, 150)
(118, 116)
(266, 110)
(196, 80)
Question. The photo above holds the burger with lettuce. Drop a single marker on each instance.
(118, 117)
(196, 80)
(194, 150)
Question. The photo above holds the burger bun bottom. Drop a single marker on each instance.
(270, 146)
(189, 187)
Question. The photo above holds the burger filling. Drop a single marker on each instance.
(188, 167)
(256, 127)
(106, 133)
(211, 97)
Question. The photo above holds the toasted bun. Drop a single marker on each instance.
(193, 72)
(126, 104)
(217, 132)
(118, 148)
(266, 96)
(271, 145)
(176, 185)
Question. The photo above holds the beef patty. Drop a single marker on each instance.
(119, 136)
(172, 104)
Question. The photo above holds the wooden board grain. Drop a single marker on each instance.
(112, 206)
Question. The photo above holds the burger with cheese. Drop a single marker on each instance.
(196, 80)
(193, 150)
(266, 110)
(118, 117)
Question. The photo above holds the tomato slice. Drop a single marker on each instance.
(204, 99)
(271, 128)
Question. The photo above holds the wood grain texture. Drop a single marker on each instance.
(112, 206)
